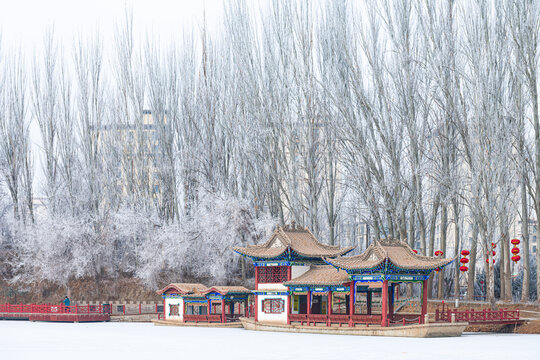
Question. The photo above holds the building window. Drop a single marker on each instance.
(272, 274)
(273, 306)
(173, 310)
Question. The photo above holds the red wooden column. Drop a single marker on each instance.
(352, 292)
(384, 321)
(222, 310)
(328, 307)
(184, 310)
(308, 305)
(289, 299)
(256, 307)
(256, 296)
(424, 300)
(164, 313)
(368, 300)
(209, 307)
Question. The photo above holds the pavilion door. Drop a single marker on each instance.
(302, 304)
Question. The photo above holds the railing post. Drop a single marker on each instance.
(124, 309)
(140, 309)
(77, 309)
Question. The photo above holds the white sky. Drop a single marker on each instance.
(23, 21)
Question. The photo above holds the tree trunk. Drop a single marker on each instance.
(525, 239)
(442, 247)
(457, 247)
(472, 264)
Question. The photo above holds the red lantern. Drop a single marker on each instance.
(515, 241)
(437, 270)
(438, 253)
(465, 252)
(493, 245)
(464, 260)
(515, 251)
(516, 258)
(487, 260)
(463, 268)
(414, 251)
(494, 253)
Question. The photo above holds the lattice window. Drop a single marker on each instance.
(273, 306)
(173, 310)
(272, 274)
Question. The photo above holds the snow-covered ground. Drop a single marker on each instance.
(133, 341)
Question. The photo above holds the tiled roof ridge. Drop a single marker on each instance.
(192, 288)
(224, 289)
(384, 250)
(298, 239)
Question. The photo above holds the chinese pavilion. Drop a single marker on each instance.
(287, 254)
(388, 263)
(188, 302)
(299, 280)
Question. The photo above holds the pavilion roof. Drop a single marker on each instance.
(396, 252)
(295, 238)
(320, 275)
(183, 288)
(224, 290)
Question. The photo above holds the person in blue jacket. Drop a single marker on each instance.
(66, 303)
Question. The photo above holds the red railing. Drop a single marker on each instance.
(202, 318)
(367, 319)
(405, 319)
(54, 309)
(335, 318)
(476, 316)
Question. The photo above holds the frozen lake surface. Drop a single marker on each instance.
(133, 341)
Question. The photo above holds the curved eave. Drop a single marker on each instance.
(342, 266)
(306, 256)
(241, 251)
(339, 252)
(349, 269)
(443, 263)
(169, 287)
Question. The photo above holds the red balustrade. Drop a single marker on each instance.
(53, 309)
(472, 316)
(334, 319)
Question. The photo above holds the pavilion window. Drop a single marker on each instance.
(195, 310)
(340, 303)
(173, 310)
(272, 274)
(273, 306)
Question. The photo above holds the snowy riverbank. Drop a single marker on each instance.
(25, 340)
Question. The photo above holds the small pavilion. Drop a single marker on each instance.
(192, 302)
(388, 263)
(231, 302)
(175, 296)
